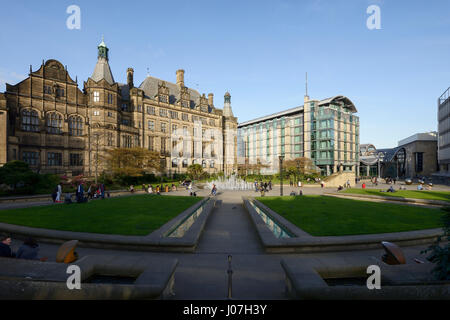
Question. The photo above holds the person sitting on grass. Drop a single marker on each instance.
(132, 189)
(391, 189)
(29, 250)
(5, 246)
(420, 187)
(340, 188)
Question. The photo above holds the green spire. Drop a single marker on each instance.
(103, 49)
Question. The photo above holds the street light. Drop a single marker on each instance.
(281, 174)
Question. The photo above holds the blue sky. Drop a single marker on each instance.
(257, 50)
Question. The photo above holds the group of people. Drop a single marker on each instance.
(156, 190)
(263, 186)
(28, 250)
(93, 192)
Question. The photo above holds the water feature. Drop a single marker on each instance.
(277, 230)
(230, 183)
(184, 225)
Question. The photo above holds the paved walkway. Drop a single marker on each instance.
(203, 274)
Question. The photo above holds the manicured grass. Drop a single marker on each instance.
(414, 194)
(129, 215)
(330, 216)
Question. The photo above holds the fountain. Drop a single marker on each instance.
(230, 183)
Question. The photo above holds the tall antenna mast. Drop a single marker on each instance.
(306, 84)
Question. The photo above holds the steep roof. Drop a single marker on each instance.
(102, 71)
(150, 88)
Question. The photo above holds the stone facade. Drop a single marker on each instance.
(48, 122)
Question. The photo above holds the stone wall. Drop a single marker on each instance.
(340, 179)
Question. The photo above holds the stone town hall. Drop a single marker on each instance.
(48, 122)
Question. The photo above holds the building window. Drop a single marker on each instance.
(139, 108)
(151, 143)
(174, 128)
(212, 122)
(151, 125)
(54, 159)
(185, 163)
(163, 145)
(30, 121)
(47, 89)
(174, 163)
(124, 107)
(185, 104)
(75, 126)
(126, 122)
(151, 110)
(96, 113)
(204, 163)
(185, 117)
(76, 159)
(54, 123)
(110, 114)
(96, 96)
(173, 114)
(163, 127)
(211, 164)
(109, 139)
(163, 113)
(127, 141)
(163, 98)
(30, 157)
(110, 98)
(419, 161)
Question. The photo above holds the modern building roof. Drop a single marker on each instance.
(426, 136)
(336, 99)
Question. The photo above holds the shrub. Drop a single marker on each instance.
(441, 255)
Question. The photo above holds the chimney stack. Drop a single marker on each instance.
(180, 77)
(211, 99)
(130, 73)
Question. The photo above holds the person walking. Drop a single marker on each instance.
(80, 193)
(58, 193)
(102, 190)
(270, 184)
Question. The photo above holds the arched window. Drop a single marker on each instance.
(185, 163)
(204, 163)
(175, 163)
(30, 120)
(75, 126)
(54, 123)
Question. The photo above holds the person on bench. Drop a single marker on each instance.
(29, 250)
(5, 246)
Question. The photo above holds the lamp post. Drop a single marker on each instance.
(281, 174)
(298, 170)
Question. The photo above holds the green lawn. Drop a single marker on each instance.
(414, 194)
(130, 215)
(330, 216)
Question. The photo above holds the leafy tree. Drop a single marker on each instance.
(18, 175)
(195, 171)
(441, 255)
(132, 162)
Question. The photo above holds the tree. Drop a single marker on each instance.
(18, 175)
(301, 165)
(132, 162)
(195, 171)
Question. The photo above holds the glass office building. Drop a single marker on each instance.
(326, 131)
